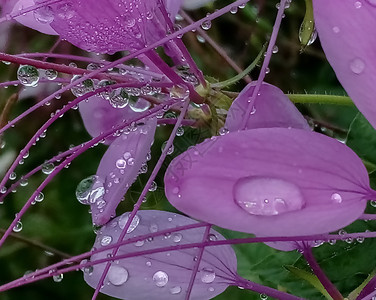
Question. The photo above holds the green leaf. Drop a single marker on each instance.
(362, 139)
(309, 277)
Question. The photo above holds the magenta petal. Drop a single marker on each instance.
(272, 108)
(350, 47)
(164, 275)
(31, 19)
(270, 182)
(119, 168)
(100, 116)
(108, 26)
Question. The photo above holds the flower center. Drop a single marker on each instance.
(265, 196)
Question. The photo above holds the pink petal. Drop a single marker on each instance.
(347, 34)
(108, 26)
(119, 168)
(270, 182)
(100, 116)
(136, 278)
(272, 108)
(44, 15)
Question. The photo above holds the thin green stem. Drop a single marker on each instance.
(320, 99)
(243, 73)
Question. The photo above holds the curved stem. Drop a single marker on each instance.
(328, 285)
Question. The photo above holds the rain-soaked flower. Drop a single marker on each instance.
(266, 173)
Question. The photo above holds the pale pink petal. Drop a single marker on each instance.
(270, 182)
(272, 108)
(30, 19)
(164, 275)
(347, 33)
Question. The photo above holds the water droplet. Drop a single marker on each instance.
(153, 187)
(18, 227)
(160, 278)
(267, 196)
(106, 240)
(121, 163)
(58, 277)
(123, 220)
(50, 74)
(90, 190)
(336, 29)
(117, 275)
(153, 228)
(44, 15)
(28, 75)
(212, 237)
(336, 198)
(175, 290)
(177, 237)
(357, 65)
(170, 150)
(263, 297)
(83, 87)
(206, 25)
(358, 4)
(207, 275)
(48, 168)
(12, 176)
(39, 197)
(139, 243)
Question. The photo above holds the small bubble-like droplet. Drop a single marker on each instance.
(207, 275)
(160, 278)
(357, 66)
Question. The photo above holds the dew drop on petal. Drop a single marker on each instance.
(175, 290)
(117, 275)
(90, 190)
(267, 196)
(123, 221)
(207, 275)
(106, 240)
(357, 65)
(160, 278)
(336, 198)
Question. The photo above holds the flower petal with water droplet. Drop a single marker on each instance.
(37, 19)
(163, 275)
(119, 168)
(347, 35)
(272, 108)
(270, 182)
(99, 116)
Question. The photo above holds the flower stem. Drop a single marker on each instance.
(327, 284)
(320, 99)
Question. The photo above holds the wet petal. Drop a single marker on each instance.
(350, 47)
(270, 182)
(119, 168)
(39, 19)
(162, 275)
(272, 108)
(109, 26)
(100, 116)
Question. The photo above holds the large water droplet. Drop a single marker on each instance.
(336, 198)
(160, 278)
(106, 240)
(44, 14)
(207, 275)
(267, 196)
(90, 190)
(83, 87)
(117, 275)
(58, 277)
(28, 75)
(123, 220)
(18, 227)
